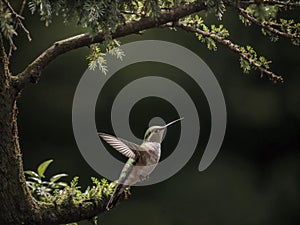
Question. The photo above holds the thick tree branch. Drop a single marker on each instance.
(72, 211)
(32, 73)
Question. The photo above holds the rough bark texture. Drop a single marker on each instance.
(14, 196)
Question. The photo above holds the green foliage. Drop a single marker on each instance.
(249, 59)
(95, 15)
(61, 194)
(220, 9)
(41, 189)
(96, 56)
(43, 167)
(263, 12)
(272, 25)
(106, 15)
(206, 33)
(289, 27)
(72, 193)
(6, 22)
(45, 9)
(252, 58)
(217, 7)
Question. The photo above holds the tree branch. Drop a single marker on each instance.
(267, 26)
(273, 2)
(4, 70)
(32, 73)
(233, 47)
(18, 22)
(71, 211)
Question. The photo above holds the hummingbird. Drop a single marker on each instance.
(142, 159)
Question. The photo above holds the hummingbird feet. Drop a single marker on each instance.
(127, 193)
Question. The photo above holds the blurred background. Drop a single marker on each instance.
(255, 178)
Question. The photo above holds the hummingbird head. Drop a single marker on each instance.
(156, 133)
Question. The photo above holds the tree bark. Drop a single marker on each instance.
(17, 204)
(16, 201)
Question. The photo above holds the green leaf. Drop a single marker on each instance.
(31, 173)
(43, 167)
(57, 177)
(74, 182)
(59, 185)
(36, 180)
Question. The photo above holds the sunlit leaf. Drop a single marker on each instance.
(31, 173)
(43, 167)
(57, 177)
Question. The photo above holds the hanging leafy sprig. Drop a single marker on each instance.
(265, 15)
(249, 59)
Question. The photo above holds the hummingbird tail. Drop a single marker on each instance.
(115, 196)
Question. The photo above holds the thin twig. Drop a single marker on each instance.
(12, 10)
(18, 22)
(16, 25)
(22, 7)
(266, 26)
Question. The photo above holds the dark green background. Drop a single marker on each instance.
(253, 181)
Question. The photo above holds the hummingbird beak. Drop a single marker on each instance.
(173, 122)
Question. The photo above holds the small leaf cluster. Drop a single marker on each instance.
(40, 188)
(217, 7)
(263, 12)
(207, 33)
(151, 8)
(272, 26)
(45, 9)
(251, 58)
(290, 27)
(6, 22)
(96, 56)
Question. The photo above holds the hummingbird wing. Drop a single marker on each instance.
(120, 145)
(131, 145)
